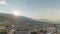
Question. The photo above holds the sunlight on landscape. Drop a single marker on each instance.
(29, 16)
(16, 13)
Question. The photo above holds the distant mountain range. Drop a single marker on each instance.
(57, 21)
(45, 20)
(23, 19)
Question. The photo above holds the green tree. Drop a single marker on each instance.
(33, 32)
(2, 31)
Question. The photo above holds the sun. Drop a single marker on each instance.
(16, 13)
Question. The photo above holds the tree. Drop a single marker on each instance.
(2, 31)
(33, 32)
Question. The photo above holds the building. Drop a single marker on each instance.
(21, 32)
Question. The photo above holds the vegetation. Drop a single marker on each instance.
(33, 32)
(2, 31)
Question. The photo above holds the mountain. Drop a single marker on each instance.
(20, 19)
(45, 20)
(57, 21)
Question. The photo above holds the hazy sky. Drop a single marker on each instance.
(49, 9)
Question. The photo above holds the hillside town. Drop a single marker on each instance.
(7, 27)
(29, 16)
(24, 25)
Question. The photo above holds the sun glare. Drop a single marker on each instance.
(16, 13)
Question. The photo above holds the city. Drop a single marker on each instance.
(29, 16)
(26, 26)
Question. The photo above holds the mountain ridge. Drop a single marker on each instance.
(19, 19)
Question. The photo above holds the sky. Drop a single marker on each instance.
(36, 9)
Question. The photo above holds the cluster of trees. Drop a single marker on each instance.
(33, 32)
(2, 31)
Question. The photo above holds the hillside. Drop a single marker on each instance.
(20, 19)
